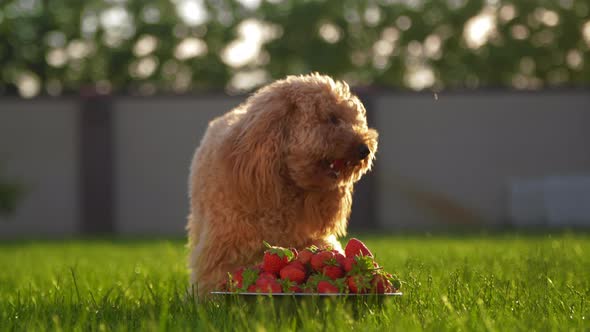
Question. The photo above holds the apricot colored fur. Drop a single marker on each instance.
(261, 173)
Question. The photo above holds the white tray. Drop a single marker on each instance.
(307, 294)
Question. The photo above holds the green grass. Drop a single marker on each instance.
(463, 282)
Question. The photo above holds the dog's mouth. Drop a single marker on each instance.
(336, 167)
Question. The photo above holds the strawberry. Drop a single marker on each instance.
(339, 257)
(355, 247)
(311, 285)
(237, 277)
(294, 273)
(359, 265)
(290, 286)
(268, 275)
(275, 258)
(325, 286)
(381, 284)
(298, 265)
(267, 284)
(333, 271)
(305, 255)
(348, 264)
(359, 284)
(241, 278)
(320, 259)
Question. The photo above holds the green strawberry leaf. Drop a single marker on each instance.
(312, 248)
(286, 284)
(364, 265)
(331, 261)
(312, 281)
(287, 252)
(341, 284)
(249, 277)
(362, 282)
(279, 251)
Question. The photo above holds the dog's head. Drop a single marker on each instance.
(328, 141)
(307, 131)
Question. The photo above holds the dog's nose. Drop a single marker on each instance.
(363, 151)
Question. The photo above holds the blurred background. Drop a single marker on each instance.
(483, 107)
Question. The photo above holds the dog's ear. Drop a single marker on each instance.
(255, 149)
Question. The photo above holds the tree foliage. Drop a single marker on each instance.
(64, 46)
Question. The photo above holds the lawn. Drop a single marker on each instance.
(451, 282)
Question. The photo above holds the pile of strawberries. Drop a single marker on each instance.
(314, 270)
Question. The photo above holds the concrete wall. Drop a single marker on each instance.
(154, 142)
(39, 149)
(456, 159)
(453, 159)
(552, 201)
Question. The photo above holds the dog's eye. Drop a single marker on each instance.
(334, 119)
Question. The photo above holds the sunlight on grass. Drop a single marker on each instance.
(498, 282)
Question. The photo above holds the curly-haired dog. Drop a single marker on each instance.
(280, 168)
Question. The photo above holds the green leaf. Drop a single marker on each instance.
(249, 277)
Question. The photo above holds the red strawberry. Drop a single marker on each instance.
(267, 284)
(294, 273)
(381, 284)
(311, 285)
(320, 259)
(359, 265)
(243, 277)
(359, 284)
(298, 265)
(237, 277)
(325, 286)
(355, 247)
(333, 271)
(273, 263)
(290, 286)
(305, 255)
(234, 280)
(267, 275)
(348, 264)
(339, 257)
(275, 258)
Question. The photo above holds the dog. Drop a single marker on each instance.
(278, 168)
